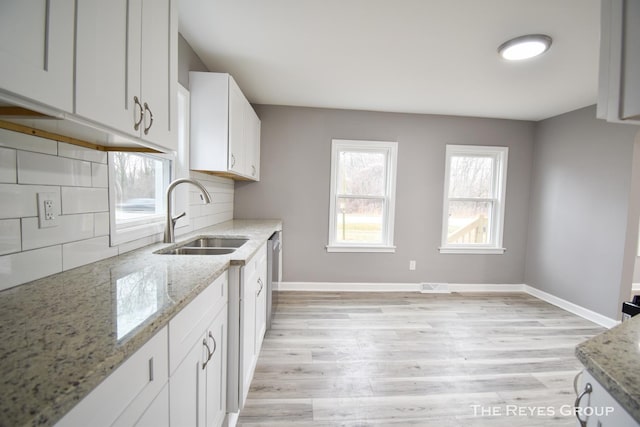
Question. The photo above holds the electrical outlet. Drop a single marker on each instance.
(47, 210)
(412, 264)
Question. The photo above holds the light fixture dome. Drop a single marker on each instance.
(525, 47)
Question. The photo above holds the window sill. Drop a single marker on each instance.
(373, 249)
(473, 251)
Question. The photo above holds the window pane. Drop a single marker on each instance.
(361, 173)
(471, 176)
(469, 222)
(359, 220)
(139, 183)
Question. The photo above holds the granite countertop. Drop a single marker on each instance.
(613, 358)
(61, 335)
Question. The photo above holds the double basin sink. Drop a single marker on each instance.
(207, 245)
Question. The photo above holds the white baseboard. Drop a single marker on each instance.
(585, 313)
(392, 287)
(453, 287)
(348, 287)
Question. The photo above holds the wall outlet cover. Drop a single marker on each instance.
(47, 210)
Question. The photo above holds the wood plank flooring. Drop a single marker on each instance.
(411, 359)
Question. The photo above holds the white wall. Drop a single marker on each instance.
(78, 177)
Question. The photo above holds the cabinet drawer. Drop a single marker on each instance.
(131, 388)
(193, 320)
(253, 265)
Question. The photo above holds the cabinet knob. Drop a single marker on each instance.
(146, 108)
(137, 104)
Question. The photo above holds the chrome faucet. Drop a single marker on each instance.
(169, 228)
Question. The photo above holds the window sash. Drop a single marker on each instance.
(388, 149)
(495, 221)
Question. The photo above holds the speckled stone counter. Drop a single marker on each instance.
(61, 335)
(613, 358)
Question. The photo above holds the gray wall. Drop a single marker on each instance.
(188, 60)
(294, 186)
(579, 211)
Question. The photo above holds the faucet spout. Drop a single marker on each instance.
(169, 228)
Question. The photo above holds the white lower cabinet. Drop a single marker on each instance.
(198, 350)
(248, 303)
(128, 396)
(597, 408)
(178, 378)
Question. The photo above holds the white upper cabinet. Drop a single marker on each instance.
(619, 86)
(36, 51)
(225, 130)
(126, 67)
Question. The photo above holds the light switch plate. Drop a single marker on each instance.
(47, 210)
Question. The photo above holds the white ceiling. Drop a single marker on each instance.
(414, 56)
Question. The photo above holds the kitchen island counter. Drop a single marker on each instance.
(64, 334)
(612, 358)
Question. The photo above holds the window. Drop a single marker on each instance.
(363, 175)
(137, 184)
(474, 188)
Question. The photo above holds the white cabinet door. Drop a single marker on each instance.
(187, 387)
(36, 50)
(157, 414)
(216, 372)
(237, 108)
(159, 72)
(247, 334)
(108, 63)
(252, 142)
(126, 67)
(599, 409)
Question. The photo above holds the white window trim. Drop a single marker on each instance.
(500, 155)
(389, 207)
(138, 229)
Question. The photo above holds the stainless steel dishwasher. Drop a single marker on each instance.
(274, 249)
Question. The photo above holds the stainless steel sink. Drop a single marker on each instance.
(197, 251)
(206, 245)
(216, 242)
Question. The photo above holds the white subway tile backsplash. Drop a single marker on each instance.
(10, 236)
(81, 200)
(19, 201)
(86, 251)
(8, 162)
(35, 168)
(81, 153)
(27, 142)
(101, 224)
(99, 175)
(23, 267)
(139, 243)
(70, 229)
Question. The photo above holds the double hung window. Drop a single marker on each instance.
(474, 193)
(362, 204)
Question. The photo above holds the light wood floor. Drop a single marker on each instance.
(396, 359)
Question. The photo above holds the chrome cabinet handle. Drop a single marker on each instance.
(136, 101)
(233, 160)
(261, 286)
(253, 168)
(215, 345)
(576, 406)
(204, 342)
(146, 108)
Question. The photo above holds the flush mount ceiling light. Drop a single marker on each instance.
(525, 47)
